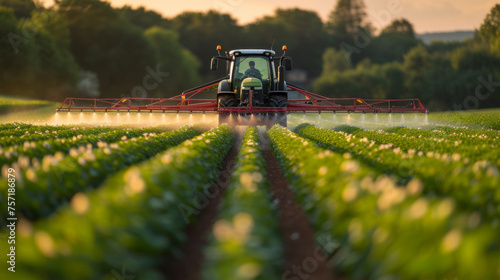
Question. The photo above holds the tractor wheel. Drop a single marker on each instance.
(278, 101)
(227, 100)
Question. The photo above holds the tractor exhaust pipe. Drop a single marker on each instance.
(285, 64)
(281, 78)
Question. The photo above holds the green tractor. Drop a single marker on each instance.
(253, 86)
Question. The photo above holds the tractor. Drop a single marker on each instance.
(254, 92)
(252, 82)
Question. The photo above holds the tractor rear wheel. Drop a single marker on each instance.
(226, 100)
(278, 101)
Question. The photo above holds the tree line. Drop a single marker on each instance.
(89, 48)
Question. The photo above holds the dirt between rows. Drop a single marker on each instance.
(302, 256)
(190, 266)
(300, 249)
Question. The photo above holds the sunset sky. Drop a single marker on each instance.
(426, 15)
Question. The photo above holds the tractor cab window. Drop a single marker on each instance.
(250, 66)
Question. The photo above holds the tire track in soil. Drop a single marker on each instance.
(292, 220)
(198, 232)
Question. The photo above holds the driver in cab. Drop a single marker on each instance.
(252, 71)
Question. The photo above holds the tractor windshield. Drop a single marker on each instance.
(250, 66)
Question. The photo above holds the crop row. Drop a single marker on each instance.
(486, 119)
(444, 175)
(470, 149)
(383, 230)
(14, 126)
(38, 149)
(36, 129)
(451, 133)
(56, 178)
(49, 132)
(245, 243)
(128, 223)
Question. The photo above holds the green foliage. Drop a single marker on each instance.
(180, 63)
(35, 133)
(334, 61)
(309, 38)
(416, 60)
(202, 32)
(245, 233)
(58, 69)
(383, 230)
(129, 222)
(488, 119)
(9, 104)
(143, 18)
(38, 63)
(475, 57)
(442, 48)
(86, 166)
(21, 8)
(17, 54)
(117, 48)
(390, 46)
(400, 26)
(374, 81)
(348, 17)
(490, 29)
(104, 43)
(39, 149)
(410, 152)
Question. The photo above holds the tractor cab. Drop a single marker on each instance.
(252, 80)
(252, 70)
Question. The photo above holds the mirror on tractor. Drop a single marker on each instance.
(287, 63)
(214, 65)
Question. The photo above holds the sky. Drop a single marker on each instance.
(425, 15)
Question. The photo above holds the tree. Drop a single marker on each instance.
(444, 47)
(108, 45)
(390, 46)
(349, 30)
(58, 69)
(400, 26)
(347, 18)
(416, 60)
(359, 82)
(202, 32)
(18, 56)
(395, 80)
(415, 63)
(143, 18)
(268, 30)
(490, 29)
(301, 30)
(22, 8)
(174, 59)
(334, 61)
(39, 64)
(475, 57)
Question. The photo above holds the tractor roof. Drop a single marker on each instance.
(252, 51)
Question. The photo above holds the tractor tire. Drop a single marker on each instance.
(278, 101)
(226, 100)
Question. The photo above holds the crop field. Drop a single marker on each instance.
(358, 197)
(10, 104)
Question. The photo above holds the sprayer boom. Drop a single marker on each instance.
(252, 87)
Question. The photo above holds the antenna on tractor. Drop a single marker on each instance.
(272, 45)
(218, 49)
(284, 50)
